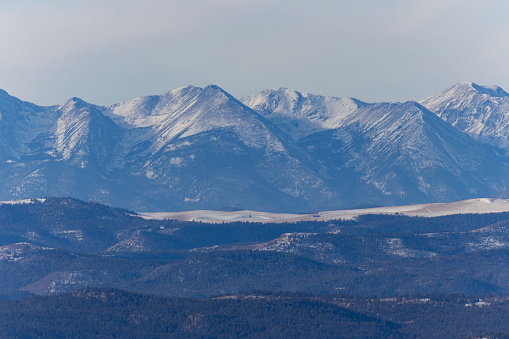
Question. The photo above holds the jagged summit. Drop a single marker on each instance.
(74, 101)
(217, 88)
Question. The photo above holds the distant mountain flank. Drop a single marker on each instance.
(279, 150)
(480, 111)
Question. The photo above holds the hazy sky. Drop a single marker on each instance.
(110, 51)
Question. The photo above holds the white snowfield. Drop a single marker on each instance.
(482, 205)
(23, 201)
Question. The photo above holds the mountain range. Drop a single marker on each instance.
(277, 150)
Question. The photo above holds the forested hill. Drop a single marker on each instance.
(61, 244)
(108, 313)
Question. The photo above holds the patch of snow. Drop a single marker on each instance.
(395, 247)
(422, 186)
(483, 205)
(176, 161)
(23, 201)
(74, 235)
(488, 243)
(18, 251)
(150, 175)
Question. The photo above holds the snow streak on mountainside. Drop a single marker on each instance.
(187, 112)
(279, 150)
(480, 111)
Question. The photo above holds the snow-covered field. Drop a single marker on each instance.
(483, 205)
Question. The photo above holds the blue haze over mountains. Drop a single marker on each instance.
(278, 150)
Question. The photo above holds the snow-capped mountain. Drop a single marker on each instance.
(301, 114)
(407, 153)
(54, 151)
(279, 150)
(388, 151)
(202, 147)
(189, 148)
(480, 111)
(20, 123)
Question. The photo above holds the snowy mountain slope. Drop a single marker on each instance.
(480, 111)
(83, 135)
(407, 153)
(20, 123)
(301, 114)
(188, 148)
(375, 151)
(54, 151)
(63, 132)
(186, 112)
(200, 148)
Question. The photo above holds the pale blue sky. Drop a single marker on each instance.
(113, 50)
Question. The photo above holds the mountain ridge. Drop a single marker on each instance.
(278, 150)
(479, 111)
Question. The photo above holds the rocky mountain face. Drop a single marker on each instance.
(385, 152)
(278, 150)
(186, 149)
(301, 114)
(480, 111)
(406, 152)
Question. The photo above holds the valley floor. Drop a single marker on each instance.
(482, 205)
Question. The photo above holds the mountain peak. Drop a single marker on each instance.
(479, 111)
(289, 91)
(74, 102)
(176, 90)
(218, 90)
(301, 114)
(212, 86)
(196, 147)
(463, 93)
(471, 87)
(494, 91)
(463, 84)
